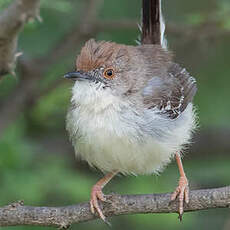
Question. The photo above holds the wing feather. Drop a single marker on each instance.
(170, 94)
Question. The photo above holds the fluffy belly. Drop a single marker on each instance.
(110, 142)
(108, 152)
(125, 141)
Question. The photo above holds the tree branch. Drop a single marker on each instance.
(17, 214)
(12, 21)
(34, 69)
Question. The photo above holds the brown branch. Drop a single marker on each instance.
(33, 70)
(12, 21)
(17, 214)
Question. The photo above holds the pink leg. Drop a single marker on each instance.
(182, 191)
(97, 194)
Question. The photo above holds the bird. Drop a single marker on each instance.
(131, 113)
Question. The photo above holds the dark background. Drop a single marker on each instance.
(37, 162)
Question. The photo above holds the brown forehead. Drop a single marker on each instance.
(96, 54)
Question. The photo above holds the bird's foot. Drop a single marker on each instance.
(182, 192)
(97, 194)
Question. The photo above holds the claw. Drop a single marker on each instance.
(96, 195)
(182, 192)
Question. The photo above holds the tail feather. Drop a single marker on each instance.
(153, 25)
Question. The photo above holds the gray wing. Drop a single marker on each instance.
(172, 93)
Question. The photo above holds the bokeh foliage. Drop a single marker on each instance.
(36, 160)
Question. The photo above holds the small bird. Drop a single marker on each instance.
(131, 112)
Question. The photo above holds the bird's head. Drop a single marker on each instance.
(105, 69)
(104, 66)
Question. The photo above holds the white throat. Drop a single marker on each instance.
(92, 96)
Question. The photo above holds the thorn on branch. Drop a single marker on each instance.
(16, 204)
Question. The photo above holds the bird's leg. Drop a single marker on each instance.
(97, 194)
(182, 191)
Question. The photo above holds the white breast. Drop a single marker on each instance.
(110, 134)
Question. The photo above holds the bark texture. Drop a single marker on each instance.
(12, 21)
(63, 217)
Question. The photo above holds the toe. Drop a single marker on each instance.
(182, 192)
(92, 206)
(101, 196)
(175, 193)
(96, 195)
(181, 201)
(186, 195)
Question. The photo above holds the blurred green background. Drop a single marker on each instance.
(37, 162)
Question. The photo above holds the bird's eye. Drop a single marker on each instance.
(109, 73)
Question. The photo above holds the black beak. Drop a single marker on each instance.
(78, 76)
